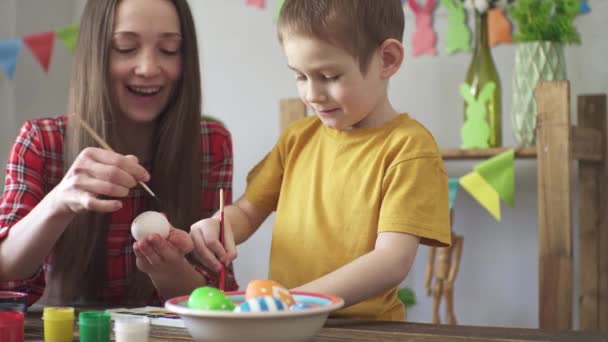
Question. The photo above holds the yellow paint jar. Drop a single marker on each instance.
(58, 324)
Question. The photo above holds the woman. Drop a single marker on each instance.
(68, 205)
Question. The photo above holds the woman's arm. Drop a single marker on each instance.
(30, 216)
(33, 221)
(31, 240)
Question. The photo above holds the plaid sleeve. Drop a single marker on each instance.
(217, 164)
(23, 189)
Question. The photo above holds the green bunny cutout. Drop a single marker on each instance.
(458, 35)
(475, 131)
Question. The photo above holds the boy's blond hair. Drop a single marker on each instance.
(357, 26)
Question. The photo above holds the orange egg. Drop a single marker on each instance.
(262, 287)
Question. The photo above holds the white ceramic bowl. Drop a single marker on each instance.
(300, 325)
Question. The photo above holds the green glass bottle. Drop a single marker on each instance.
(481, 71)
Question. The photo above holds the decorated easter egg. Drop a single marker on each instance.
(262, 304)
(301, 306)
(209, 298)
(261, 288)
(148, 223)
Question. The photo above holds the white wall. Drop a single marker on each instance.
(245, 75)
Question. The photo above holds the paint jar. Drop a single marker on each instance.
(13, 301)
(94, 326)
(131, 329)
(11, 326)
(58, 324)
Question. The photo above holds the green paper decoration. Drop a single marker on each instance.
(407, 296)
(492, 180)
(278, 9)
(458, 37)
(498, 172)
(475, 131)
(68, 36)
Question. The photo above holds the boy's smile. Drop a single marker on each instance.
(330, 81)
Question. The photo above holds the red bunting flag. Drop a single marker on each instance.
(261, 4)
(41, 45)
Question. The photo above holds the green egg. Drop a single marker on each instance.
(209, 298)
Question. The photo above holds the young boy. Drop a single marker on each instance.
(355, 188)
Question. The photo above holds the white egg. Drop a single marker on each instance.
(148, 223)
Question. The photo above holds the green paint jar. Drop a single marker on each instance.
(94, 326)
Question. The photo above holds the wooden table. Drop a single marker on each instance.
(349, 330)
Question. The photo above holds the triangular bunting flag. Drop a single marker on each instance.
(453, 182)
(584, 7)
(482, 192)
(261, 4)
(498, 172)
(68, 36)
(41, 45)
(9, 51)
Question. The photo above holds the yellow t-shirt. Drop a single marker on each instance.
(334, 191)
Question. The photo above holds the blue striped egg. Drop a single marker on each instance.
(262, 304)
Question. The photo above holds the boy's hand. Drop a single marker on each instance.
(207, 247)
(158, 256)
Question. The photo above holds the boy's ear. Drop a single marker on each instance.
(391, 55)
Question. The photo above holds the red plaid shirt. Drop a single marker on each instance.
(35, 166)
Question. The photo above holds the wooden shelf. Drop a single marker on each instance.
(464, 154)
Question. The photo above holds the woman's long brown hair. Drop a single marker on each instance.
(78, 267)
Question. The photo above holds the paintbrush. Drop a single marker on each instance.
(105, 146)
(223, 269)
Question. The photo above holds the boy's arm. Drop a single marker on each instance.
(245, 218)
(381, 269)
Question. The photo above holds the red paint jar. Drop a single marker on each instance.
(11, 326)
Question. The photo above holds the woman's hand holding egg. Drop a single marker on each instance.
(160, 248)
